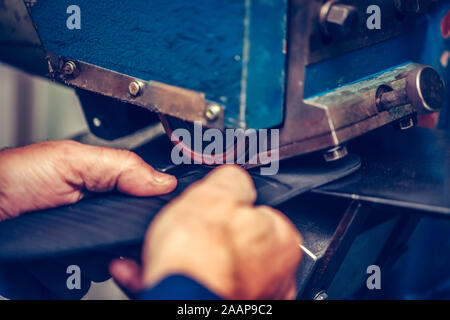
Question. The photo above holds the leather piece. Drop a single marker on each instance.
(104, 221)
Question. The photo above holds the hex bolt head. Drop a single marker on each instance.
(69, 68)
(338, 19)
(135, 88)
(212, 112)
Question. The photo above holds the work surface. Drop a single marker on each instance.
(400, 168)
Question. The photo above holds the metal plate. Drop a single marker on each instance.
(406, 169)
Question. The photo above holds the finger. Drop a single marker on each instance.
(288, 247)
(127, 273)
(283, 227)
(100, 169)
(228, 182)
(292, 293)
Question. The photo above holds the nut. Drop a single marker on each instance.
(338, 18)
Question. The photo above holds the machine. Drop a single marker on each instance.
(323, 72)
(328, 74)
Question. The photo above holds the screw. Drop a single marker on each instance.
(212, 112)
(338, 18)
(69, 68)
(97, 122)
(335, 153)
(135, 88)
(321, 295)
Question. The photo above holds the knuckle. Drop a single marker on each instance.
(128, 158)
(64, 144)
(64, 148)
(283, 223)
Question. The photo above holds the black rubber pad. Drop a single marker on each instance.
(104, 221)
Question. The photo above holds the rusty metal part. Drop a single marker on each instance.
(392, 98)
(337, 18)
(231, 154)
(424, 89)
(340, 115)
(155, 96)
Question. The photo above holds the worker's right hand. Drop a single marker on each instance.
(214, 234)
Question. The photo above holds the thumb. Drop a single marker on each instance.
(227, 181)
(100, 169)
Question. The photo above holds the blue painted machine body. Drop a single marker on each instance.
(231, 50)
(234, 51)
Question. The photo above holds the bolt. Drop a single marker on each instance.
(389, 98)
(212, 112)
(335, 153)
(321, 295)
(97, 122)
(338, 19)
(424, 90)
(69, 68)
(135, 88)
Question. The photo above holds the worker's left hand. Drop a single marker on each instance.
(55, 173)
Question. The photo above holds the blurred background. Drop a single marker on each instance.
(34, 109)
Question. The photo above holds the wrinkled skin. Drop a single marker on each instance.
(50, 174)
(247, 251)
(212, 232)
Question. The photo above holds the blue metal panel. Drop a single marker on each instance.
(330, 74)
(266, 76)
(197, 45)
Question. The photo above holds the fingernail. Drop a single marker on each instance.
(162, 178)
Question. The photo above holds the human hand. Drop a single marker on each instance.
(55, 173)
(213, 234)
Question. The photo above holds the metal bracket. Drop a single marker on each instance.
(155, 96)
